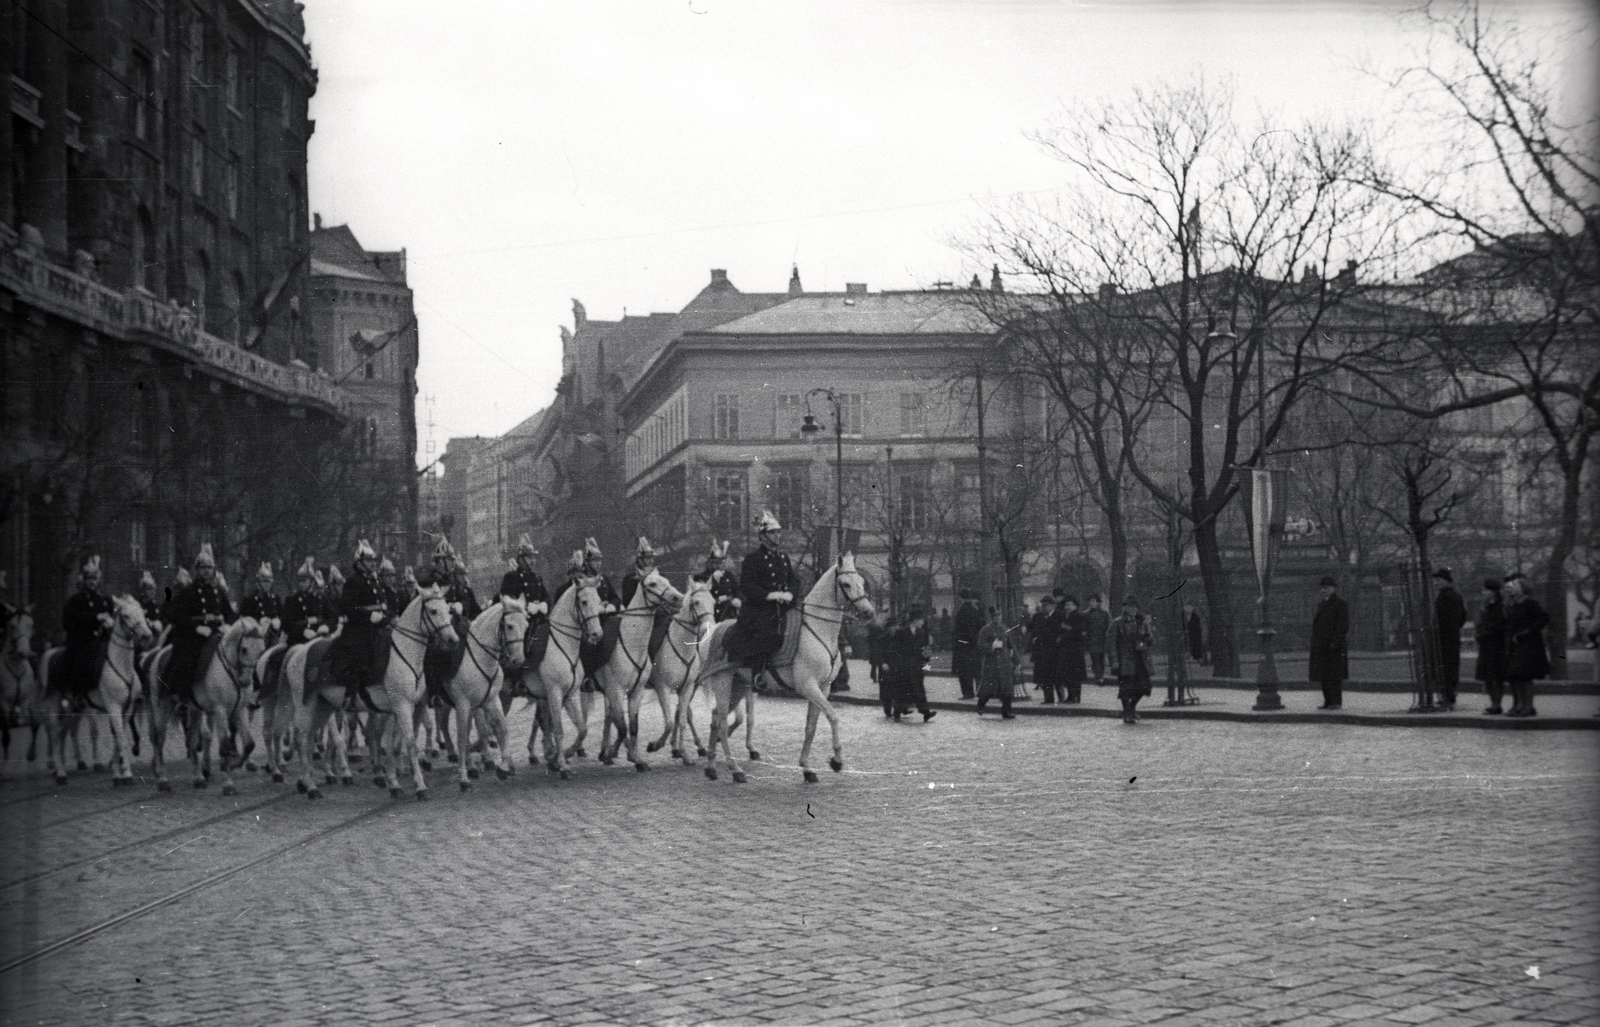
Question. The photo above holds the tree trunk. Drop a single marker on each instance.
(1117, 532)
(1219, 600)
(1555, 576)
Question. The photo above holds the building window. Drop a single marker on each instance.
(136, 543)
(231, 77)
(790, 415)
(851, 413)
(137, 439)
(913, 413)
(728, 520)
(911, 499)
(197, 165)
(967, 482)
(860, 490)
(369, 368)
(137, 243)
(725, 416)
(140, 78)
(786, 496)
(230, 183)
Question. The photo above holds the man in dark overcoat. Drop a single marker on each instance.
(1071, 638)
(769, 587)
(1097, 621)
(965, 659)
(362, 606)
(1042, 627)
(1527, 659)
(304, 614)
(198, 610)
(1489, 628)
(906, 651)
(724, 585)
(1330, 628)
(87, 618)
(1449, 615)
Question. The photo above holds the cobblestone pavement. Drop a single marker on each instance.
(1039, 870)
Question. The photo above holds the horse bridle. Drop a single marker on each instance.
(498, 652)
(130, 645)
(687, 659)
(844, 612)
(573, 657)
(426, 636)
(653, 603)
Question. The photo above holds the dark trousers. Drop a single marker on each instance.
(1044, 675)
(1097, 667)
(1005, 703)
(966, 670)
(888, 694)
(1449, 669)
(912, 692)
(1496, 691)
(1333, 692)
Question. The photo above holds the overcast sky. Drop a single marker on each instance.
(527, 153)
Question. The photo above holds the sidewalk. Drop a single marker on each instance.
(1569, 712)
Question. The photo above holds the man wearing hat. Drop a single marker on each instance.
(304, 615)
(644, 561)
(965, 658)
(905, 652)
(1042, 629)
(364, 610)
(523, 582)
(261, 603)
(769, 586)
(1449, 615)
(87, 619)
(196, 613)
(1330, 626)
(724, 586)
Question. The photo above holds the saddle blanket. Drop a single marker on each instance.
(719, 661)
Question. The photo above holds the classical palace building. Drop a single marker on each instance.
(158, 376)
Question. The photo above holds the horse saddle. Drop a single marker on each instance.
(596, 656)
(793, 618)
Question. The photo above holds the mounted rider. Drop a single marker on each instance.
(362, 606)
(644, 561)
(769, 586)
(393, 599)
(408, 586)
(262, 603)
(87, 618)
(523, 582)
(448, 572)
(590, 562)
(304, 614)
(724, 585)
(196, 613)
(150, 605)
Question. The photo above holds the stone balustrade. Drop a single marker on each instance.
(137, 316)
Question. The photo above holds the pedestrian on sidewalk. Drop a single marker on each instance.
(1330, 628)
(1195, 632)
(1449, 615)
(1489, 627)
(1073, 636)
(1526, 658)
(1042, 644)
(877, 629)
(1130, 645)
(1097, 625)
(906, 653)
(1001, 664)
(965, 659)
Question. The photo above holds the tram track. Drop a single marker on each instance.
(218, 877)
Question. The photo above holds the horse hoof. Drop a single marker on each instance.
(250, 765)
(301, 787)
(711, 773)
(738, 777)
(277, 778)
(99, 768)
(466, 786)
(313, 793)
(753, 754)
(347, 780)
(426, 765)
(473, 773)
(677, 754)
(641, 767)
(229, 790)
(422, 795)
(201, 783)
(501, 773)
(328, 779)
(579, 752)
(607, 760)
(836, 764)
(454, 758)
(163, 786)
(432, 754)
(653, 747)
(395, 793)
(811, 777)
(700, 751)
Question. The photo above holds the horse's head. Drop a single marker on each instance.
(659, 593)
(513, 631)
(852, 586)
(589, 606)
(19, 632)
(252, 641)
(436, 616)
(701, 604)
(130, 619)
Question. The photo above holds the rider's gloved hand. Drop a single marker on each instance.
(203, 631)
(736, 603)
(774, 597)
(277, 624)
(377, 616)
(106, 620)
(323, 630)
(309, 634)
(456, 608)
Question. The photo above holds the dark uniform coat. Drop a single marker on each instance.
(760, 630)
(1490, 631)
(261, 606)
(352, 651)
(202, 603)
(80, 618)
(662, 619)
(1072, 636)
(965, 659)
(724, 590)
(1042, 628)
(152, 615)
(1450, 613)
(303, 613)
(1526, 658)
(1098, 621)
(1330, 627)
(527, 585)
(904, 652)
(460, 591)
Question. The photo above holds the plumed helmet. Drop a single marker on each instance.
(264, 571)
(308, 569)
(147, 579)
(591, 548)
(719, 550)
(511, 565)
(444, 550)
(767, 522)
(576, 563)
(646, 551)
(386, 566)
(206, 558)
(90, 563)
(321, 582)
(221, 582)
(335, 576)
(364, 551)
(182, 579)
(409, 575)
(525, 547)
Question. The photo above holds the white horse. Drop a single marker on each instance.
(18, 685)
(494, 649)
(425, 622)
(677, 664)
(219, 712)
(622, 678)
(116, 686)
(554, 683)
(812, 670)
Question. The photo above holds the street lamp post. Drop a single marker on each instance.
(809, 428)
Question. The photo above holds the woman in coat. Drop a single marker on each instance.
(1129, 649)
(1001, 663)
(1526, 659)
(1490, 630)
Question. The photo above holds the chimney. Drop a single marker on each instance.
(1348, 275)
(855, 288)
(579, 315)
(316, 222)
(994, 282)
(719, 278)
(1107, 291)
(794, 282)
(977, 283)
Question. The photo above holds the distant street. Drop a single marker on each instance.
(1042, 870)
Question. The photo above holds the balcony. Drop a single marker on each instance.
(136, 316)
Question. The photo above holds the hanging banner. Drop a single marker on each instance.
(1268, 509)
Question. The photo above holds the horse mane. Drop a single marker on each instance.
(824, 585)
